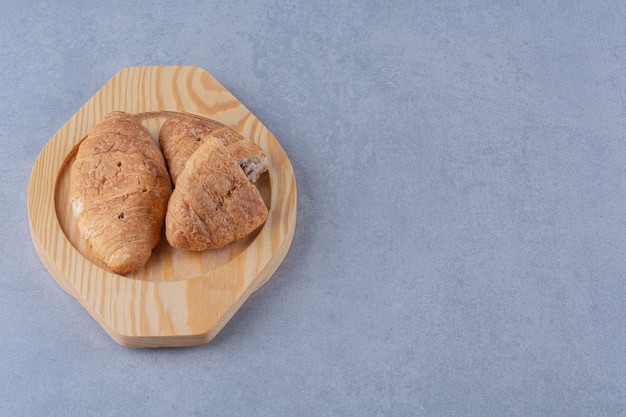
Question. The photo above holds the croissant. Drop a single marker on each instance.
(181, 136)
(119, 188)
(213, 203)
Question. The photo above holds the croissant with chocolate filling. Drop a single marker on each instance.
(119, 188)
(213, 203)
(181, 136)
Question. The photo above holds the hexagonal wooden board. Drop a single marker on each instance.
(180, 298)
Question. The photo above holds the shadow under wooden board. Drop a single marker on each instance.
(179, 298)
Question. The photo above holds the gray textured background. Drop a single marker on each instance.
(461, 219)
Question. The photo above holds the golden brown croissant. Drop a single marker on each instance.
(213, 203)
(181, 136)
(119, 188)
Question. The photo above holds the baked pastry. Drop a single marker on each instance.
(213, 203)
(247, 154)
(181, 136)
(119, 188)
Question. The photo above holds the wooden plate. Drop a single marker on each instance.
(179, 298)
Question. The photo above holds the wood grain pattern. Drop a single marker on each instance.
(179, 298)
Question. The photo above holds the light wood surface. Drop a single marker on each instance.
(179, 298)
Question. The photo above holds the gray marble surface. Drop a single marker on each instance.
(461, 238)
